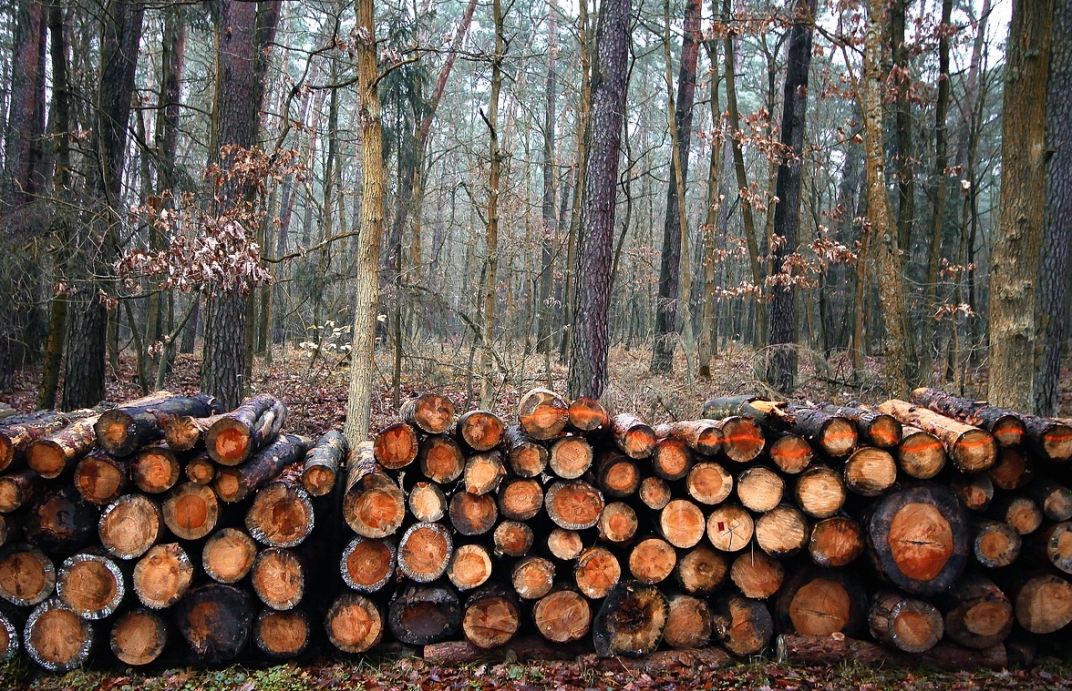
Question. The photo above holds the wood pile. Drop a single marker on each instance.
(937, 530)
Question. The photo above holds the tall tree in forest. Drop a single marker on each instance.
(675, 227)
(1014, 261)
(246, 33)
(544, 313)
(904, 161)
(1055, 267)
(120, 37)
(589, 345)
(782, 365)
(367, 288)
(708, 328)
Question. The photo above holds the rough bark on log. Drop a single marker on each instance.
(18, 489)
(354, 623)
(480, 430)
(994, 543)
(215, 620)
(228, 556)
(634, 437)
(878, 429)
(920, 454)
(757, 575)
(1054, 499)
(975, 491)
(138, 637)
(743, 626)
(1054, 544)
(56, 638)
(492, 616)
(573, 504)
(702, 436)
(835, 435)
(631, 621)
(155, 469)
(163, 576)
(527, 456)
(977, 613)
(58, 452)
(101, 478)
(596, 572)
(831, 650)
(701, 571)
(200, 469)
(519, 648)
(836, 541)
(760, 489)
(425, 551)
(239, 434)
(367, 565)
(279, 578)
(430, 413)
(543, 414)
(563, 615)
(282, 635)
(61, 521)
(1005, 425)
(235, 483)
(19, 431)
(618, 475)
(27, 575)
(320, 470)
(396, 446)
(186, 433)
(130, 525)
(373, 505)
(191, 511)
(441, 459)
(782, 532)
(588, 415)
(730, 527)
(689, 623)
(121, 430)
(423, 614)
(905, 623)
(470, 567)
(91, 585)
(819, 602)
(973, 450)
(281, 515)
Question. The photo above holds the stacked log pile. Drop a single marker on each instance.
(937, 530)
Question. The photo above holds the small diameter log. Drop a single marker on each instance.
(760, 489)
(570, 457)
(60, 520)
(282, 635)
(1054, 499)
(155, 469)
(975, 491)
(689, 623)
(430, 413)
(372, 505)
(241, 433)
(9, 638)
(1050, 438)
(163, 576)
(396, 446)
(130, 525)
(877, 429)
(1006, 426)
(120, 431)
(492, 616)
(91, 585)
(631, 621)
(870, 471)
(533, 577)
(191, 511)
(634, 437)
(1021, 512)
(682, 523)
(321, 466)
(520, 498)
(994, 543)
(596, 572)
(709, 483)
(138, 637)
(835, 435)
(55, 453)
(671, 459)
(279, 578)
(424, 552)
(702, 436)
(565, 545)
(480, 430)
(654, 492)
(920, 454)
(588, 415)
(836, 541)
(27, 575)
(215, 620)
(472, 514)
(790, 453)
(441, 459)
(423, 614)
(1013, 469)
(652, 560)
(186, 433)
(618, 523)
(235, 483)
(730, 528)
(701, 571)
(367, 565)
(830, 650)
(483, 472)
(820, 602)
(973, 450)
(281, 515)
(19, 431)
(1055, 545)
(563, 615)
(526, 456)
(743, 626)
(543, 414)
(18, 489)
(919, 538)
(427, 502)
(782, 532)
(100, 478)
(977, 613)
(618, 475)
(56, 638)
(470, 566)
(228, 556)
(757, 575)
(573, 504)
(200, 469)
(512, 538)
(820, 491)
(1043, 604)
(354, 623)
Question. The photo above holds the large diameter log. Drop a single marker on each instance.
(235, 483)
(492, 616)
(100, 478)
(396, 446)
(977, 613)
(473, 514)
(163, 576)
(428, 504)
(689, 623)
(543, 414)
(877, 429)
(760, 489)
(671, 459)
(56, 453)
(130, 525)
(279, 578)
(905, 623)
(191, 511)
(61, 521)
(596, 572)
(138, 637)
(1050, 438)
(570, 457)
(441, 459)
(574, 504)
(682, 523)
(831, 650)
(430, 413)
(470, 567)
(701, 571)
(27, 575)
(588, 415)
(870, 471)
(367, 565)
(281, 515)
(483, 472)
(836, 541)
(185, 433)
(618, 475)
(631, 621)
(820, 491)
(520, 498)
(1006, 426)
(354, 623)
(480, 430)
(91, 585)
(920, 454)
(527, 456)
(1043, 604)
(19, 431)
(973, 450)
(995, 543)
(742, 626)
(1054, 544)
(702, 436)
(56, 638)
(730, 527)
(155, 469)
(652, 560)
(373, 505)
(757, 575)
(120, 431)
(634, 437)
(919, 538)
(282, 635)
(563, 615)
(320, 469)
(820, 602)
(239, 434)
(228, 555)
(423, 614)
(782, 532)
(18, 489)
(424, 552)
(215, 620)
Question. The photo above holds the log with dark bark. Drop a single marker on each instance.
(1054, 545)
(709, 483)
(836, 541)
(977, 613)
(522, 647)
(1054, 499)
(596, 572)
(975, 491)
(570, 457)
(820, 602)
(513, 538)
(743, 626)
(239, 434)
(757, 575)
(423, 614)
(473, 514)
(563, 615)
(227, 557)
(18, 489)
(588, 415)
(994, 543)
(904, 623)
(1021, 512)
(430, 413)
(367, 565)
(215, 620)
(280, 578)
(829, 650)
(138, 637)
(373, 505)
(19, 431)
(483, 472)
(1013, 469)
(396, 446)
(191, 511)
(573, 504)
(130, 525)
(820, 491)
(526, 456)
(56, 638)
(835, 435)
(920, 454)
(425, 551)
(27, 575)
(972, 449)
(700, 571)
(320, 469)
(682, 523)
(282, 635)
(533, 577)
(281, 515)
(1050, 438)
(201, 469)
(235, 483)
(60, 521)
(441, 459)
(58, 452)
(631, 621)
(689, 623)
(652, 560)
(354, 623)
(702, 436)
(730, 527)
(782, 532)
(155, 469)
(760, 489)
(1043, 604)
(634, 437)
(919, 538)
(91, 585)
(618, 523)
(186, 433)
(120, 431)
(671, 459)
(492, 616)
(470, 567)
(1006, 426)
(618, 475)
(163, 575)
(480, 430)
(877, 429)
(427, 503)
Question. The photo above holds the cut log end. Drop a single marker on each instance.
(138, 637)
(631, 621)
(367, 565)
(56, 638)
(228, 555)
(163, 576)
(354, 623)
